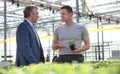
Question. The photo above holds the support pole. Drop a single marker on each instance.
(102, 43)
(77, 10)
(5, 32)
(53, 27)
(98, 44)
(83, 8)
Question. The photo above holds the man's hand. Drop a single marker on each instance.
(84, 47)
(59, 45)
(76, 50)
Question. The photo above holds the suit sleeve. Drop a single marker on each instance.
(23, 43)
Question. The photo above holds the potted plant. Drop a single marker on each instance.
(72, 44)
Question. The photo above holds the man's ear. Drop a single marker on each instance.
(71, 14)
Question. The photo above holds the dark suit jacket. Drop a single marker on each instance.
(29, 50)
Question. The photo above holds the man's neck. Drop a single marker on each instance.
(30, 20)
(70, 22)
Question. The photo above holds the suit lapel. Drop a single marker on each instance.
(39, 43)
(33, 32)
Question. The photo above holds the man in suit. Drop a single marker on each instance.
(29, 49)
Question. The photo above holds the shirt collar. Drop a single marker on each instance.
(29, 22)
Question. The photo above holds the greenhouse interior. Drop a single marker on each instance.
(100, 17)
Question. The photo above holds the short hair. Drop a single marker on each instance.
(28, 10)
(68, 8)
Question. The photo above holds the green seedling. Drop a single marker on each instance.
(72, 44)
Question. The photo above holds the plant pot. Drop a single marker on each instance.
(72, 46)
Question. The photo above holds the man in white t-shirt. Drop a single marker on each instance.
(65, 33)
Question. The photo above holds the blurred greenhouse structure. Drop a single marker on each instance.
(101, 17)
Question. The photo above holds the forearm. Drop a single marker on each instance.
(54, 47)
(86, 45)
(84, 48)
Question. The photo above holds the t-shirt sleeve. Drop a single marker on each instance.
(84, 32)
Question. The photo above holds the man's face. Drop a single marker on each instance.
(65, 16)
(35, 16)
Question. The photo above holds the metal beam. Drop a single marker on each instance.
(77, 10)
(5, 31)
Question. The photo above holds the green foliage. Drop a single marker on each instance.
(71, 42)
(93, 67)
